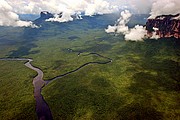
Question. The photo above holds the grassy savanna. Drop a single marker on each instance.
(16, 91)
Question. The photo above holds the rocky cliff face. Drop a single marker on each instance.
(164, 26)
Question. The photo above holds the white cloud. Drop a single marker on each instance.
(90, 7)
(120, 27)
(165, 7)
(122, 21)
(99, 7)
(10, 18)
(111, 29)
(137, 33)
(68, 7)
(65, 17)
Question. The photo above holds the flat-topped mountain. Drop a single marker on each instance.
(43, 16)
(164, 26)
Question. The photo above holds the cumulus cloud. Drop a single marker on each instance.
(165, 7)
(76, 7)
(90, 7)
(111, 29)
(120, 26)
(138, 33)
(122, 21)
(10, 18)
(68, 7)
(99, 7)
(64, 17)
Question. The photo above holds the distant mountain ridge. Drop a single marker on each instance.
(46, 15)
(164, 26)
(43, 16)
(96, 21)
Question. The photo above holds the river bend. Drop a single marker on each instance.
(42, 109)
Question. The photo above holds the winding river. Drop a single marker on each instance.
(42, 109)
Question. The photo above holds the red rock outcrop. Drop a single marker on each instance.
(164, 26)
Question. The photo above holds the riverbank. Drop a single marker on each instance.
(16, 91)
(42, 109)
